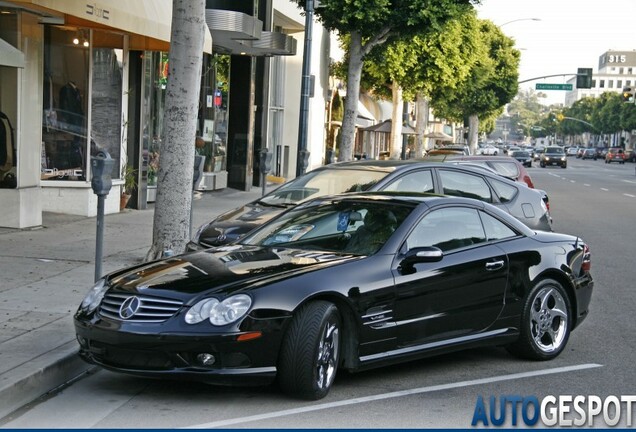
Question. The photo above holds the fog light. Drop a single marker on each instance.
(206, 359)
(82, 341)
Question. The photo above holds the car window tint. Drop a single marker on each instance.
(448, 229)
(418, 181)
(495, 229)
(465, 185)
(323, 182)
(506, 169)
(506, 192)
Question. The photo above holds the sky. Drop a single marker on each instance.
(569, 34)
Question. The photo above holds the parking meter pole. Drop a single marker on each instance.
(99, 240)
(101, 182)
(265, 166)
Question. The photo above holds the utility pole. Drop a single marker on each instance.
(303, 153)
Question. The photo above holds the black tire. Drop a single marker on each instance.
(545, 322)
(542, 165)
(311, 351)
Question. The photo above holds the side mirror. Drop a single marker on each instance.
(421, 255)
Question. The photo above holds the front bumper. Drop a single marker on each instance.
(178, 355)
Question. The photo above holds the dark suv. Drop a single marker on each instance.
(553, 156)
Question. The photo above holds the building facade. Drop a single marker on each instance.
(79, 77)
(616, 69)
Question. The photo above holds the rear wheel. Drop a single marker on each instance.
(311, 351)
(545, 322)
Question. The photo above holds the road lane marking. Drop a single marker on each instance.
(605, 190)
(630, 195)
(572, 181)
(629, 181)
(392, 395)
(585, 184)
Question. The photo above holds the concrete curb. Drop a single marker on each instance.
(29, 382)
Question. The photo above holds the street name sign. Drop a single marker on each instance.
(543, 86)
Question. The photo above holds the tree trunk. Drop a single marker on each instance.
(473, 133)
(421, 124)
(396, 121)
(171, 225)
(354, 74)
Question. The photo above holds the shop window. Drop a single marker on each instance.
(64, 123)
(213, 114)
(8, 107)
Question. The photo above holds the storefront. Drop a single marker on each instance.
(67, 96)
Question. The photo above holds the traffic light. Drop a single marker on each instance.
(628, 94)
(584, 78)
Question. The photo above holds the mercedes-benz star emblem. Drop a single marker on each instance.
(129, 307)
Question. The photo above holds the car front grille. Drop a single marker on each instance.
(150, 310)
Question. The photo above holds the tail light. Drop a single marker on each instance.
(587, 261)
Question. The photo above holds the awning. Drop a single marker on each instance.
(240, 33)
(10, 56)
(385, 127)
(147, 21)
(440, 136)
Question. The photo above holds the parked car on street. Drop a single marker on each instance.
(375, 175)
(632, 156)
(347, 282)
(553, 156)
(522, 156)
(571, 151)
(615, 154)
(506, 166)
(489, 150)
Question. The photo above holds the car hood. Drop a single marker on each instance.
(221, 270)
(235, 224)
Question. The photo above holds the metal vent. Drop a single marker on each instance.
(148, 310)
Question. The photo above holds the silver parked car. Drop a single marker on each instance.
(515, 198)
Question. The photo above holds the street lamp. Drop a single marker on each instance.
(519, 19)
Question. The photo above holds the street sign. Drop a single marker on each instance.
(542, 86)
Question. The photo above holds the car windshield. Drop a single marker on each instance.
(520, 153)
(351, 227)
(323, 182)
(553, 150)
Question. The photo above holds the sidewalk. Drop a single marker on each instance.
(44, 275)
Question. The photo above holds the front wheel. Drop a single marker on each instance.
(311, 351)
(545, 322)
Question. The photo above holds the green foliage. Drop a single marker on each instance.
(492, 82)
(129, 175)
(425, 61)
(371, 17)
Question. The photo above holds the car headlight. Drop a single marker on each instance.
(94, 296)
(219, 313)
(197, 234)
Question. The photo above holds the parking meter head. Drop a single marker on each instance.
(101, 170)
(265, 161)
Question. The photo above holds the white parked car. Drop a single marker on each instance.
(489, 150)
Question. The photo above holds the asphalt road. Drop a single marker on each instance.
(590, 198)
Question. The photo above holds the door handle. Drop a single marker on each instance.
(496, 265)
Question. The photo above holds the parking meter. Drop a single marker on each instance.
(101, 169)
(330, 157)
(199, 162)
(265, 163)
